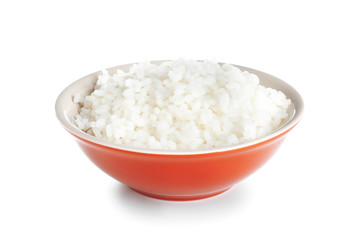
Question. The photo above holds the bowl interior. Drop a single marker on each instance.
(66, 110)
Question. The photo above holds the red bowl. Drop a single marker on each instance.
(177, 175)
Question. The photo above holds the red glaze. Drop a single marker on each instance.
(180, 177)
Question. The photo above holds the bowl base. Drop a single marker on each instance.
(179, 198)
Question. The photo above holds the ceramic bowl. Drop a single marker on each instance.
(177, 175)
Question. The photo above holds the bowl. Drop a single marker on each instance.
(177, 174)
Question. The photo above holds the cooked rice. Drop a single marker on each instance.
(180, 105)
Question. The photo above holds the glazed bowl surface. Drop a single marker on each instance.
(173, 174)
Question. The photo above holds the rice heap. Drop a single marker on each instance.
(180, 105)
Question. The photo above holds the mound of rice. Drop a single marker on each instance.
(180, 105)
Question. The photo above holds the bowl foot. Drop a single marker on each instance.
(179, 198)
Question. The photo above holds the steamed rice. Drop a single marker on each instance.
(180, 105)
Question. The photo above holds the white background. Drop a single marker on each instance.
(310, 189)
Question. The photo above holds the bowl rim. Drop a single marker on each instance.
(61, 114)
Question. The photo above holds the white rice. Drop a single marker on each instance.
(180, 105)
